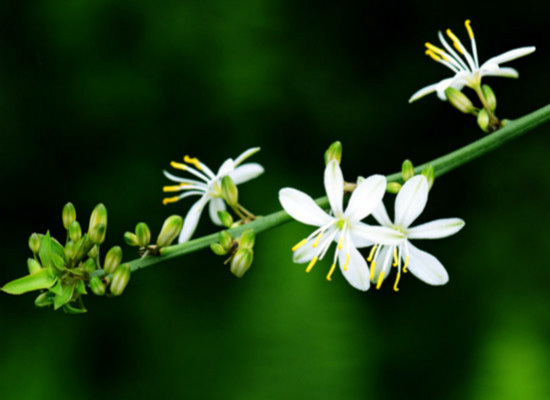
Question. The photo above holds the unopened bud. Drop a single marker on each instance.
(68, 215)
(429, 173)
(241, 262)
(225, 239)
(97, 234)
(94, 251)
(97, 286)
(483, 120)
(226, 218)
(459, 100)
(230, 193)
(70, 250)
(83, 246)
(170, 230)
(247, 239)
(407, 170)
(44, 299)
(98, 216)
(334, 152)
(218, 249)
(143, 234)
(393, 187)
(75, 231)
(33, 265)
(131, 239)
(121, 277)
(489, 97)
(34, 243)
(88, 266)
(112, 259)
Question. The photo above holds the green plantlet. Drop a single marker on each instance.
(170, 230)
(230, 193)
(68, 215)
(143, 234)
(121, 277)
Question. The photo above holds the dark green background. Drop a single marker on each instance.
(96, 98)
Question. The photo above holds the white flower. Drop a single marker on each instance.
(409, 204)
(208, 187)
(342, 227)
(467, 70)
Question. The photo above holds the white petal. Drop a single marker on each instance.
(426, 267)
(384, 261)
(455, 82)
(216, 204)
(246, 172)
(227, 166)
(411, 200)
(426, 90)
(307, 251)
(245, 155)
(377, 234)
(381, 215)
(436, 229)
(495, 70)
(334, 186)
(509, 56)
(192, 219)
(366, 196)
(302, 208)
(357, 271)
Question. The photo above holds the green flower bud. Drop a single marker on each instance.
(97, 234)
(483, 120)
(247, 239)
(225, 239)
(33, 265)
(143, 234)
(89, 266)
(98, 217)
(407, 170)
(170, 230)
(83, 246)
(69, 215)
(121, 277)
(75, 232)
(94, 252)
(70, 250)
(226, 218)
(112, 259)
(393, 187)
(334, 152)
(131, 239)
(459, 100)
(428, 172)
(44, 299)
(241, 262)
(34, 243)
(230, 193)
(490, 97)
(218, 249)
(97, 286)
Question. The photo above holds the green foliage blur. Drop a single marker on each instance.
(97, 97)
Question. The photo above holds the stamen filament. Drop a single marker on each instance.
(371, 254)
(193, 161)
(311, 264)
(469, 29)
(345, 267)
(169, 200)
(299, 244)
(395, 288)
(316, 243)
(329, 275)
(372, 267)
(456, 42)
(174, 188)
(405, 265)
(380, 280)
(432, 55)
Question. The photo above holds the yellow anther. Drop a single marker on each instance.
(178, 165)
(169, 200)
(405, 265)
(299, 244)
(432, 55)
(193, 161)
(345, 267)
(395, 259)
(316, 243)
(435, 49)
(341, 243)
(174, 188)
(329, 275)
(372, 267)
(371, 254)
(456, 41)
(380, 279)
(311, 264)
(469, 29)
(395, 288)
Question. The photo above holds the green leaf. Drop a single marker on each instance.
(58, 262)
(64, 296)
(57, 248)
(45, 250)
(74, 308)
(80, 287)
(42, 279)
(44, 299)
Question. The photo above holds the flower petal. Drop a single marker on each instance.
(227, 166)
(356, 271)
(377, 234)
(192, 219)
(509, 56)
(247, 153)
(381, 215)
(216, 204)
(246, 172)
(437, 229)
(495, 70)
(411, 200)
(366, 196)
(383, 263)
(334, 186)
(302, 208)
(426, 267)
(426, 90)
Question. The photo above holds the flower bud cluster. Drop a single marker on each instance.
(141, 237)
(240, 250)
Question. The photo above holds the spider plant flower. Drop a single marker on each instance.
(207, 187)
(409, 204)
(465, 65)
(343, 227)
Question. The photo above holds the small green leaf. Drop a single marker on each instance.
(80, 287)
(42, 279)
(45, 250)
(58, 262)
(74, 308)
(44, 299)
(64, 296)
(57, 248)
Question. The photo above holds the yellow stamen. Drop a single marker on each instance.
(395, 259)
(345, 267)
(329, 275)
(174, 188)
(193, 161)
(311, 264)
(371, 254)
(406, 263)
(178, 165)
(436, 49)
(456, 41)
(299, 244)
(341, 243)
(316, 243)
(380, 279)
(169, 200)
(469, 29)
(395, 288)
(432, 55)
(372, 267)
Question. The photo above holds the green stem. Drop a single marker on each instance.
(493, 118)
(441, 165)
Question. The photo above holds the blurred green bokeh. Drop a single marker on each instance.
(97, 97)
